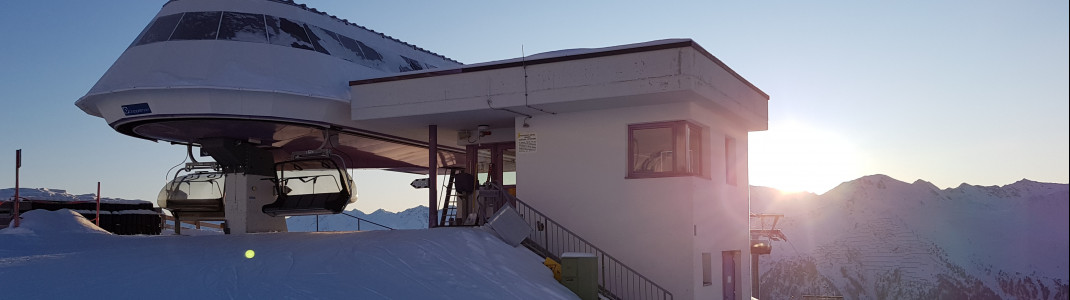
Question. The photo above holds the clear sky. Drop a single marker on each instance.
(944, 91)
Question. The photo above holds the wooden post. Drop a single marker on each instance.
(432, 174)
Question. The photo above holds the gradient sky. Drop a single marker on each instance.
(944, 91)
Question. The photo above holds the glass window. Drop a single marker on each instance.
(707, 269)
(201, 25)
(664, 149)
(258, 28)
(242, 27)
(352, 46)
(369, 52)
(331, 42)
(160, 29)
(282, 31)
(317, 42)
(413, 65)
(509, 167)
(694, 149)
(653, 150)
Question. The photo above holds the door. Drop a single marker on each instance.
(728, 274)
(495, 162)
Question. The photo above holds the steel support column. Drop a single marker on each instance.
(432, 174)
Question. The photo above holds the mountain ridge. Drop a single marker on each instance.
(880, 238)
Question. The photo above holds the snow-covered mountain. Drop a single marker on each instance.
(413, 218)
(880, 238)
(57, 195)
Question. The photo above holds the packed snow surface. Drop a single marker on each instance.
(59, 254)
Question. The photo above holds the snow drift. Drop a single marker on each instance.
(61, 255)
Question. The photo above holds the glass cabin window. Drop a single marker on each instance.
(414, 65)
(332, 42)
(664, 149)
(160, 30)
(243, 27)
(317, 42)
(258, 28)
(369, 52)
(202, 25)
(282, 31)
(352, 46)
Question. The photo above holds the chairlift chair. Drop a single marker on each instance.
(310, 184)
(197, 195)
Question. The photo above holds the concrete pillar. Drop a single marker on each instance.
(246, 194)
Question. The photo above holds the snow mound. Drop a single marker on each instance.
(61, 222)
(440, 263)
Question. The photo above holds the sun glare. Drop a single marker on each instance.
(794, 157)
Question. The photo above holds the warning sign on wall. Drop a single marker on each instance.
(526, 142)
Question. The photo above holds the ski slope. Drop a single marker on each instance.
(60, 254)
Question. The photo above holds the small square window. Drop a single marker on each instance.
(664, 149)
(707, 269)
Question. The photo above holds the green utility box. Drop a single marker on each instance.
(579, 273)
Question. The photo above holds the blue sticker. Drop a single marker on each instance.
(136, 109)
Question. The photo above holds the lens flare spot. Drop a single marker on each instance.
(249, 253)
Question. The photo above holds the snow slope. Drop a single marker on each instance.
(881, 238)
(59, 254)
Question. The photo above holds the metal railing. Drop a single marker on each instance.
(615, 279)
(359, 219)
(196, 224)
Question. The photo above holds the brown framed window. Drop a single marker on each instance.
(664, 149)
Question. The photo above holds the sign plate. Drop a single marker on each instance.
(526, 142)
(136, 109)
(421, 183)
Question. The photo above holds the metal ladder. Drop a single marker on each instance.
(449, 206)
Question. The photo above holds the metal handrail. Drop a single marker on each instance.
(362, 219)
(615, 279)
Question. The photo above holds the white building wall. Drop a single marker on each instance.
(721, 210)
(659, 226)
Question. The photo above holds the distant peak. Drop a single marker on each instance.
(926, 184)
(877, 180)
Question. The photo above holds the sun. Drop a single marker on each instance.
(794, 157)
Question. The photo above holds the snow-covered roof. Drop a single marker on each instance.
(563, 55)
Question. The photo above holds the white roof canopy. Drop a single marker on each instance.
(495, 93)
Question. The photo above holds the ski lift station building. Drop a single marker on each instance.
(639, 151)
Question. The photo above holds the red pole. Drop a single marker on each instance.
(98, 203)
(18, 164)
